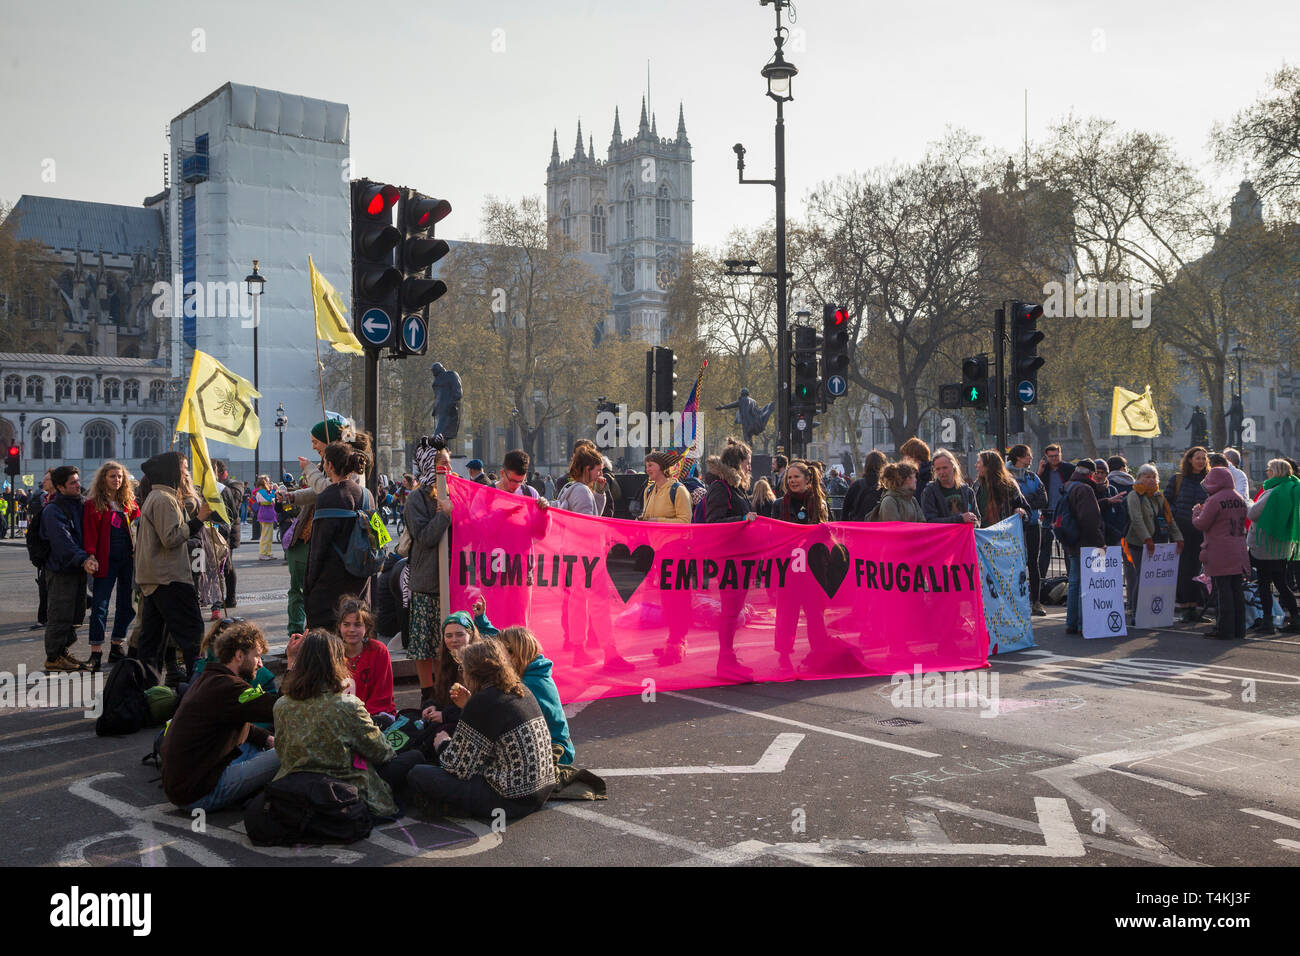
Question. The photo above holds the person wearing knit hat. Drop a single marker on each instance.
(1085, 466)
(475, 468)
(322, 433)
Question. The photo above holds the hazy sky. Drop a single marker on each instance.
(92, 85)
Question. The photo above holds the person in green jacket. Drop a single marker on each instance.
(899, 503)
(1274, 540)
(321, 728)
(534, 669)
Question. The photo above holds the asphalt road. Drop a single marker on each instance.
(1162, 748)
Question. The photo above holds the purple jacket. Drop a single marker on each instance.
(1223, 522)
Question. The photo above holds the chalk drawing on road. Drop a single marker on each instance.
(144, 827)
(773, 760)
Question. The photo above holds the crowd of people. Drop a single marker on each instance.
(156, 553)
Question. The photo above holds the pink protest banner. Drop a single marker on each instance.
(812, 602)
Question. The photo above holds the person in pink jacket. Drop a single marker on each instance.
(1221, 518)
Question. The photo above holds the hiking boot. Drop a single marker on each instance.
(1037, 609)
(582, 659)
(730, 668)
(64, 662)
(115, 653)
(95, 662)
(670, 655)
(784, 663)
(175, 675)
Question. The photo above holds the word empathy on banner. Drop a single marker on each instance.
(1004, 573)
(1156, 587)
(832, 600)
(1102, 580)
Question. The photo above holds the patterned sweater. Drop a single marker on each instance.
(504, 738)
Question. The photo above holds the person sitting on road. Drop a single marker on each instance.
(948, 499)
(449, 695)
(323, 728)
(213, 753)
(368, 660)
(500, 756)
(534, 669)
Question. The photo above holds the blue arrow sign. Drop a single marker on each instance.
(376, 326)
(413, 333)
(837, 385)
(1026, 392)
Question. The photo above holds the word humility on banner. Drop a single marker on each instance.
(503, 569)
(630, 607)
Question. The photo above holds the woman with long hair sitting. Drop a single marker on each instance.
(534, 669)
(321, 728)
(500, 756)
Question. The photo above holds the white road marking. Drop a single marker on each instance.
(700, 851)
(1175, 787)
(773, 760)
(1275, 817)
(48, 741)
(799, 723)
(1289, 844)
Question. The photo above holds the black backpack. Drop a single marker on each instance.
(38, 546)
(125, 706)
(306, 807)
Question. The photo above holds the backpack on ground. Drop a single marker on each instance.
(307, 807)
(125, 700)
(364, 555)
(1065, 526)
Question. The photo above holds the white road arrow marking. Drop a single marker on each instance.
(773, 760)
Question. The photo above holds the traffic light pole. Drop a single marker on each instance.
(999, 377)
(371, 415)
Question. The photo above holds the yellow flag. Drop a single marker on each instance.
(204, 478)
(331, 314)
(218, 404)
(1133, 414)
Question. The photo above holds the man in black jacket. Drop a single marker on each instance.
(65, 569)
(1081, 499)
(1054, 474)
(38, 549)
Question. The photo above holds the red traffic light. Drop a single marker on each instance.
(841, 316)
(381, 199)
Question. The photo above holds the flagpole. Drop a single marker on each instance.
(320, 379)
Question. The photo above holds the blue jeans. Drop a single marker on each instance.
(248, 773)
(1073, 603)
(119, 574)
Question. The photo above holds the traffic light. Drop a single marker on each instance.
(665, 373)
(975, 383)
(13, 460)
(417, 251)
(1025, 360)
(805, 383)
(835, 351)
(376, 281)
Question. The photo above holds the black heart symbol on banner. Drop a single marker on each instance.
(627, 569)
(829, 566)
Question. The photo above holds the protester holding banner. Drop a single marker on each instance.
(726, 500)
(1019, 458)
(327, 577)
(665, 498)
(1222, 521)
(803, 503)
(948, 499)
(864, 494)
(106, 531)
(1184, 492)
(427, 519)
(918, 453)
(585, 614)
(762, 498)
(1081, 500)
(1151, 522)
(1274, 539)
(898, 503)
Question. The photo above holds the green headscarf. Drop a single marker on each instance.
(1277, 530)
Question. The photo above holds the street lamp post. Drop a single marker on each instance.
(126, 445)
(1238, 405)
(254, 283)
(281, 420)
(778, 74)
